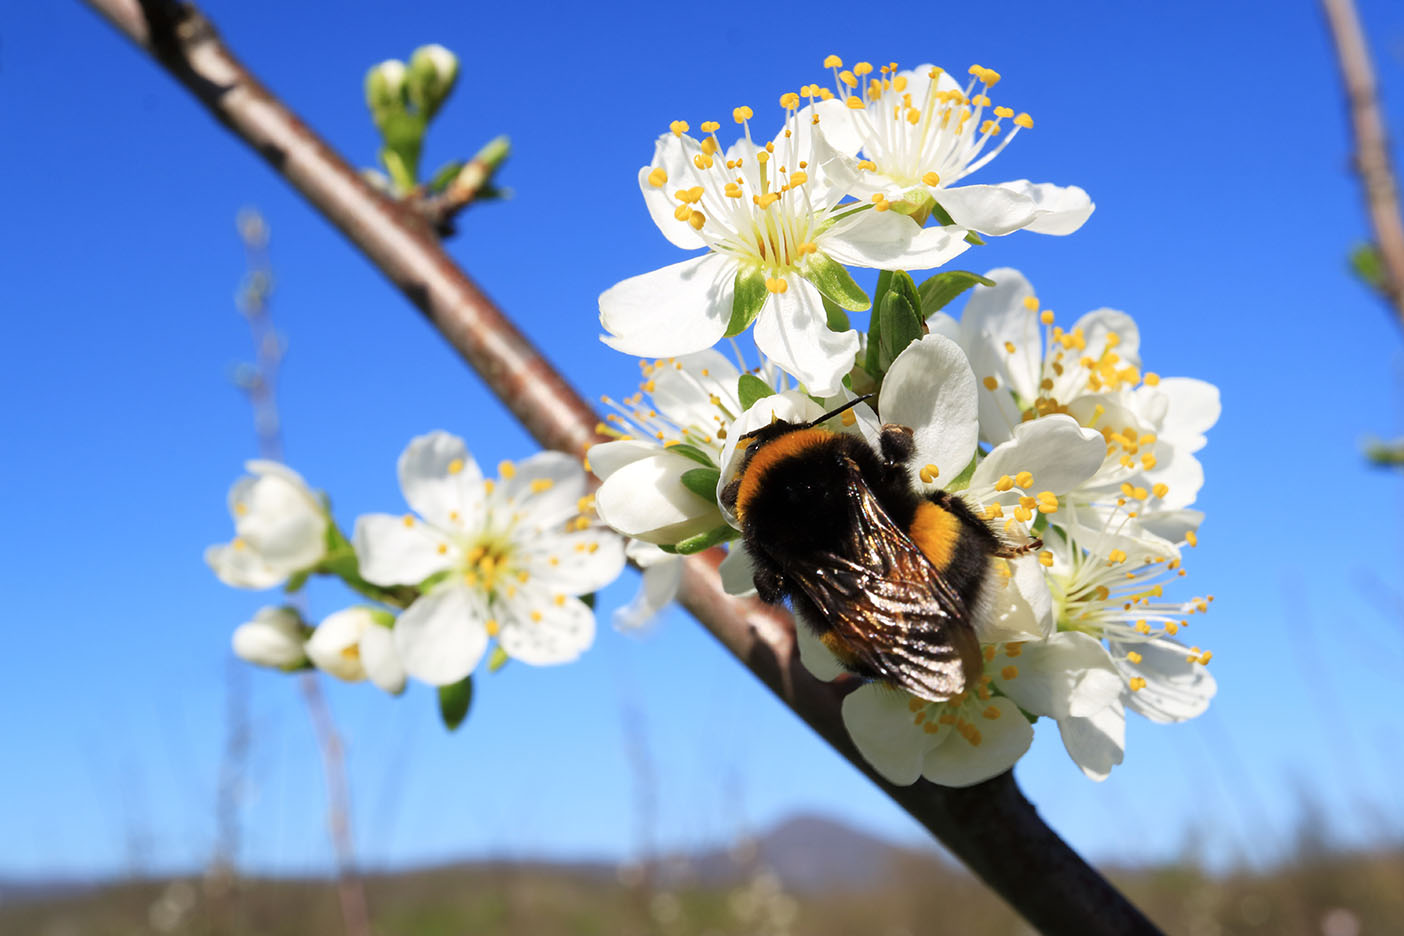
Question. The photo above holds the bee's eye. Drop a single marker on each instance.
(753, 448)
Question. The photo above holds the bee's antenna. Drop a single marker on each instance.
(832, 413)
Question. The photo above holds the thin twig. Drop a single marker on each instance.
(1372, 160)
(440, 210)
(260, 384)
(990, 826)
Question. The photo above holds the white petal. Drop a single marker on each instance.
(883, 727)
(334, 646)
(441, 637)
(931, 389)
(993, 316)
(544, 488)
(674, 310)
(671, 155)
(1099, 323)
(833, 172)
(1060, 454)
(990, 209)
(816, 657)
(544, 629)
(608, 457)
(272, 638)
(1003, 740)
(399, 550)
(282, 522)
(1058, 209)
(441, 480)
(684, 392)
(939, 323)
(239, 566)
(1172, 525)
(657, 589)
(1176, 689)
(1068, 674)
(1194, 408)
(737, 572)
(889, 240)
(1018, 607)
(793, 332)
(381, 661)
(1096, 743)
(835, 124)
(646, 499)
(576, 563)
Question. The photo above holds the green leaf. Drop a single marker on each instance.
(870, 360)
(702, 482)
(589, 600)
(833, 280)
(498, 659)
(835, 317)
(445, 174)
(692, 452)
(901, 325)
(751, 388)
(296, 581)
(701, 541)
(748, 296)
(454, 701)
(936, 292)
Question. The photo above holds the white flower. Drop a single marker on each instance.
(662, 576)
(922, 133)
(981, 732)
(776, 238)
(273, 638)
(1029, 368)
(356, 644)
(507, 558)
(280, 527)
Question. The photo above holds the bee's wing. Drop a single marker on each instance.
(888, 608)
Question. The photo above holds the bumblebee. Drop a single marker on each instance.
(888, 577)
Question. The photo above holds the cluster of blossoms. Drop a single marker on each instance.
(479, 563)
(1044, 430)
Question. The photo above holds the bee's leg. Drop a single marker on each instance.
(1010, 551)
(896, 444)
(770, 583)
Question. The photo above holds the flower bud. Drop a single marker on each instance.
(273, 638)
(385, 89)
(433, 70)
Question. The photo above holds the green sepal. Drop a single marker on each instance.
(750, 388)
(498, 659)
(833, 280)
(962, 481)
(870, 360)
(900, 319)
(702, 482)
(748, 296)
(380, 616)
(296, 581)
(942, 216)
(972, 237)
(834, 316)
(589, 600)
(668, 548)
(692, 452)
(454, 702)
(713, 537)
(937, 291)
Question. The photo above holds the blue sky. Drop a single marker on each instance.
(1213, 141)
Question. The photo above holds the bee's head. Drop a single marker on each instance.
(753, 442)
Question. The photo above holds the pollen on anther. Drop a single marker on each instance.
(1137, 683)
(931, 178)
(658, 177)
(929, 473)
(408, 520)
(990, 383)
(742, 114)
(679, 127)
(1009, 672)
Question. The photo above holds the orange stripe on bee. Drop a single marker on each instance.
(789, 445)
(936, 532)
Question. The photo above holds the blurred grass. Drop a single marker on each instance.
(1311, 895)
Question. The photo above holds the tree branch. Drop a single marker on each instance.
(1372, 161)
(990, 826)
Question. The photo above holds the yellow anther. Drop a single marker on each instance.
(455, 466)
(1014, 648)
(1023, 120)
(915, 705)
(929, 473)
(798, 178)
(990, 383)
(1023, 514)
(878, 198)
(409, 520)
(1003, 112)
(1009, 347)
(1045, 558)
(536, 617)
(507, 470)
(541, 484)
(882, 206)
(833, 61)
(1148, 462)
(1009, 672)
(862, 68)
(732, 190)
(682, 213)
(441, 548)
(931, 178)
(824, 95)
(697, 219)
(776, 284)
(1024, 479)
(710, 126)
(1205, 657)
(991, 713)
(239, 543)
(1133, 656)
(1031, 303)
(1140, 493)
(1004, 483)
(742, 114)
(853, 102)
(1028, 503)
(1192, 537)
(658, 177)
(867, 164)
(766, 200)
(679, 127)
(981, 100)
(702, 161)
(1137, 683)
(789, 100)
(1116, 556)
(1142, 627)
(847, 78)
(1172, 628)
(989, 653)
